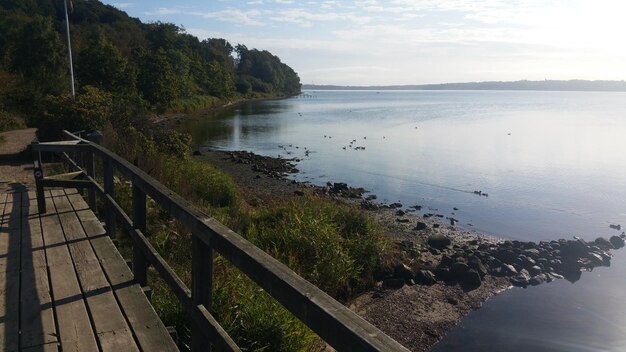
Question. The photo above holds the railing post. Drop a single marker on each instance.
(38, 170)
(109, 189)
(201, 287)
(140, 265)
(91, 192)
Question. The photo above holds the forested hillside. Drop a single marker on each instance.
(154, 67)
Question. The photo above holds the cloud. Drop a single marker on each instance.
(163, 11)
(123, 5)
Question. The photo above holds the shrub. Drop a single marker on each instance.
(10, 121)
(90, 110)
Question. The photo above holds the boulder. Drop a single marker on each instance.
(471, 278)
(403, 271)
(506, 255)
(400, 212)
(538, 279)
(420, 226)
(475, 263)
(603, 243)
(439, 241)
(425, 277)
(617, 241)
(534, 270)
(521, 279)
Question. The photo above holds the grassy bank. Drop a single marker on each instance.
(334, 246)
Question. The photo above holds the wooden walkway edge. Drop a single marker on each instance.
(63, 284)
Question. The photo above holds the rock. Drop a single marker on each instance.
(420, 226)
(446, 261)
(298, 193)
(403, 271)
(617, 227)
(603, 243)
(395, 205)
(534, 270)
(596, 259)
(393, 283)
(442, 273)
(257, 177)
(400, 212)
(439, 241)
(197, 153)
(531, 252)
(458, 268)
(435, 226)
(369, 205)
(617, 242)
(475, 263)
(471, 278)
(425, 277)
(403, 220)
(538, 279)
(521, 279)
(506, 255)
(371, 197)
(509, 269)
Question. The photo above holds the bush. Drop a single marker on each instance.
(10, 121)
(90, 110)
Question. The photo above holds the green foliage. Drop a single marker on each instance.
(10, 121)
(101, 65)
(333, 246)
(89, 111)
(265, 73)
(252, 317)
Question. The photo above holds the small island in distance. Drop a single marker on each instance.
(546, 85)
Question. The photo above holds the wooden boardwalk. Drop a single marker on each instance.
(63, 284)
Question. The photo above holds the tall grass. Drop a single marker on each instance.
(334, 246)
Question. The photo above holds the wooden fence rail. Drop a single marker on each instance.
(337, 325)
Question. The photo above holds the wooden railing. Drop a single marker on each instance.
(337, 325)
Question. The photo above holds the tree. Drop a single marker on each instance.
(101, 65)
(38, 54)
(155, 79)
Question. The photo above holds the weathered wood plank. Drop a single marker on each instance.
(9, 273)
(75, 332)
(143, 320)
(37, 318)
(112, 331)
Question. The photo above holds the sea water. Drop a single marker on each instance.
(552, 165)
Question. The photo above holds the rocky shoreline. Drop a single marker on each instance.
(440, 272)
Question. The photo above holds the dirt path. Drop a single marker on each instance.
(16, 168)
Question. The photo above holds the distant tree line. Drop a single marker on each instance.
(139, 66)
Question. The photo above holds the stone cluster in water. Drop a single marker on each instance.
(523, 263)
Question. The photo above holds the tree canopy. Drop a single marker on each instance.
(154, 65)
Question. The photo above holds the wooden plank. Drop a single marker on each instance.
(9, 273)
(112, 331)
(75, 333)
(37, 317)
(143, 320)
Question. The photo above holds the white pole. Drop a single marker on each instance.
(69, 48)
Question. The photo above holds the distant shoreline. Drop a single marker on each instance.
(547, 85)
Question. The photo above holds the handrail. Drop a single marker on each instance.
(337, 325)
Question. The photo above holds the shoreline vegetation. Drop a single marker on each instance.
(545, 85)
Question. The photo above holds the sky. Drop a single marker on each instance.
(393, 42)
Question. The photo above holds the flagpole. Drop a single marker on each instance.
(69, 48)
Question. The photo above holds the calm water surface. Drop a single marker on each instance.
(553, 164)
